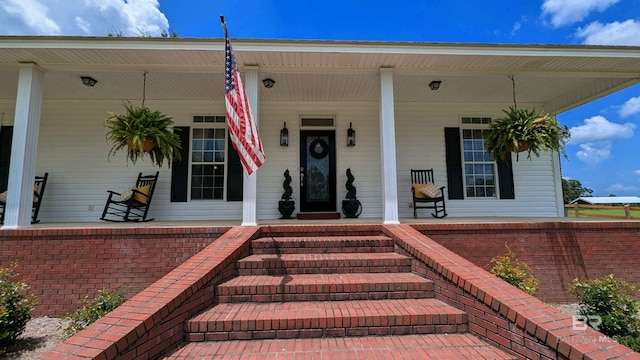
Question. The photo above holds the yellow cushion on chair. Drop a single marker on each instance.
(141, 198)
(431, 191)
(416, 191)
(126, 195)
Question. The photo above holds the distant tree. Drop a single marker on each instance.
(612, 195)
(572, 189)
(141, 32)
(165, 34)
(115, 33)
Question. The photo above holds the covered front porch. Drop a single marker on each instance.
(380, 90)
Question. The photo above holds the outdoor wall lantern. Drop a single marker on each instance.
(268, 83)
(435, 85)
(351, 136)
(284, 135)
(88, 81)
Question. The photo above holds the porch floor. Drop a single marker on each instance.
(342, 221)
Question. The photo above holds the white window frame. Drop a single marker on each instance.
(477, 123)
(208, 125)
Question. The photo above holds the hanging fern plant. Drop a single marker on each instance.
(524, 130)
(141, 131)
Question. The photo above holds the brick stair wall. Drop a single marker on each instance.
(499, 313)
(63, 266)
(521, 324)
(557, 252)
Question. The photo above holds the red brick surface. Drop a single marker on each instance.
(450, 347)
(62, 266)
(486, 298)
(151, 322)
(557, 252)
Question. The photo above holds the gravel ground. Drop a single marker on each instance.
(43, 333)
(40, 335)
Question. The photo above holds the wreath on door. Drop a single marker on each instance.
(318, 148)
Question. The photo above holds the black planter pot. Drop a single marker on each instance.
(286, 208)
(351, 208)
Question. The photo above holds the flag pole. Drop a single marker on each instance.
(224, 24)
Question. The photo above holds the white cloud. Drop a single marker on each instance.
(615, 33)
(34, 14)
(631, 107)
(595, 138)
(598, 128)
(82, 17)
(594, 153)
(567, 12)
(637, 172)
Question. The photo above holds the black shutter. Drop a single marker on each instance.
(454, 163)
(235, 176)
(6, 136)
(180, 170)
(505, 178)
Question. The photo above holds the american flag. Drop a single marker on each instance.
(242, 128)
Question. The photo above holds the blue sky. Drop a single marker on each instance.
(602, 152)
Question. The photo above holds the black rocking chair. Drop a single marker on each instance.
(132, 204)
(38, 190)
(424, 191)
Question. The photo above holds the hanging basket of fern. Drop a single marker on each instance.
(145, 145)
(525, 130)
(140, 131)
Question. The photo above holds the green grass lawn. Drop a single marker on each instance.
(602, 212)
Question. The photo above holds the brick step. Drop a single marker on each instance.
(418, 347)
(317, 319)
(324, 287)
(273, 264)
(322, 244)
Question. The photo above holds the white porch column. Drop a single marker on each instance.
(26, 127)
(557, 181)
(250, 187)
(388, 149)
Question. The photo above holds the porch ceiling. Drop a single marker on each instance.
(560, 77)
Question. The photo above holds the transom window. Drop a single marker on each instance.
(208, 157)
(479, 166)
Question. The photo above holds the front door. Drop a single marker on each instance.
(317, 170)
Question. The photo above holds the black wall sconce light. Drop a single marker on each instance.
(88, 81)
(284, 135)
(435, 85)
(268, 83)
(351, 136)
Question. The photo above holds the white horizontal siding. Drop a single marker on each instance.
(73, 149)
(363, 159)
(421, 145)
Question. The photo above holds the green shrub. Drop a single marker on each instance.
(105, 302)
(630, 341)
(612, 300)
(15, 306)
(517, 273)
